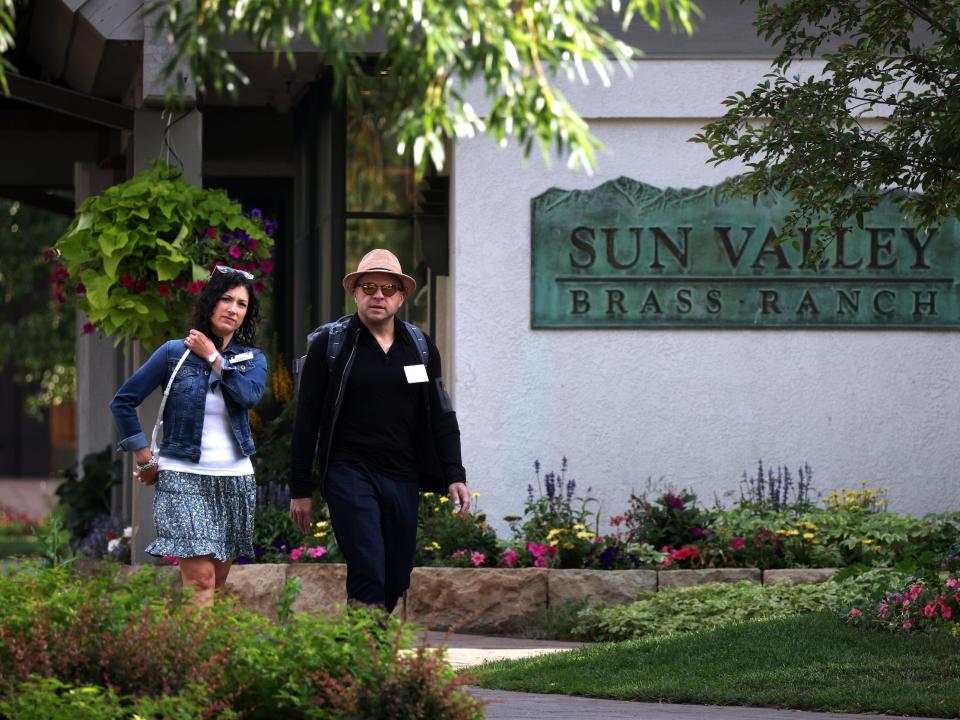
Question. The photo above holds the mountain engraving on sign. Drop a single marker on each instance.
(627, 254)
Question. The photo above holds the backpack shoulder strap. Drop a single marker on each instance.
(419, 340)
(335, 338)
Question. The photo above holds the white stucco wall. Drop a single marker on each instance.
(697, 407)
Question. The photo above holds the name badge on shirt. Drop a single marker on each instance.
(416, 373)
(241, 357)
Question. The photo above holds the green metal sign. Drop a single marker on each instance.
(628, 254)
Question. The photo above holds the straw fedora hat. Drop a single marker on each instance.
(379, 260)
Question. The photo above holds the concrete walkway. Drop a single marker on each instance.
(464, 651)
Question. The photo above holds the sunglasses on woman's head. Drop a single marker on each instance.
(243, 273)
(388, 290)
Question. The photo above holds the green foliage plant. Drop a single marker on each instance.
(920, 604)
(53, 540)
(885, 59)
(672, 520)
(431, 52)
(85, 498)
(136, 253)
(445, 538)
(700, 608)
(138, 637)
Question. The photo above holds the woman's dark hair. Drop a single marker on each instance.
(216, 286)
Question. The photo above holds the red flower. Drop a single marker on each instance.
(235, 251)
(211, 233)
(58, 296)
(674, 502)
(250, 266)
(179, 282)
(140, 286)
(195, 287)
(163, 290)
(87, 328)
(251, 244)
(128, 281)
(80, 289)
(259, 287)
(215, 263)
(736, 543)
(266, 266)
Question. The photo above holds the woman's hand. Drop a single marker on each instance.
(199, 344)
(148, 476)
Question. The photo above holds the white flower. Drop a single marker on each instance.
(128, 532)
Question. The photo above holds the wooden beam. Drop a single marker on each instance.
(69, 102)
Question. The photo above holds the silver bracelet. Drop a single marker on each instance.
(152, 462)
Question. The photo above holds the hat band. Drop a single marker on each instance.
(383, 269)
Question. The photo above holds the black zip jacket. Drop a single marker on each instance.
(318, 405)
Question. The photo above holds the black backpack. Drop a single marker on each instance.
(338, 332)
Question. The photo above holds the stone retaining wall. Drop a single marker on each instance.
(493, 600)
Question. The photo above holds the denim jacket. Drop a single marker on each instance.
(241, 381)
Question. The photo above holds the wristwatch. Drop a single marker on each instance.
(212, 357)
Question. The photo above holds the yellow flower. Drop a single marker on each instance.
(808, 536)
(476, 495)
(282, 383)
(568, 546)
(483, 526)
(428, 494)
(437, 509)
(814, 542)
(584, 535)
(444, 499)
(868, 541)
(578, 526)
(554, 532)
(319, 534)
(322, 524)
(793, 533)
(435, 545)
(782, 532)
(256, 422)
(554, 543)
(454, 512)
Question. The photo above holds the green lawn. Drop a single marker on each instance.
(14, 545)
(809, 662)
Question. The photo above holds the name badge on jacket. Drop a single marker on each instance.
(416, 373)
(241, 357)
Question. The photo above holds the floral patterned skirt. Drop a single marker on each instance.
(198, 515)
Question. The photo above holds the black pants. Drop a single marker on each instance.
(375, 522)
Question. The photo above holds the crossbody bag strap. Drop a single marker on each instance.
(163, 403)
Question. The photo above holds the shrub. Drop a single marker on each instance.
(673, 610)
(137, 645)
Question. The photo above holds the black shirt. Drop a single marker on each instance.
(379, 417)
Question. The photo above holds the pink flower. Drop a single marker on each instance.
(163, 290)
(87, 328)
(929, 610)
(907, 625)
(953, 583)
(458, 553)
(317, 552)
(251, 244)
(128, 281)
(855, 613)
(266, 266)
(674, 502)
(510, 557)
(250, 265)
(235, 251)
(477, 558)
(884, 609)
(540, 562)
(195, 287)
(915, 591)
(297, 552)
(616, 520)
(736, 543)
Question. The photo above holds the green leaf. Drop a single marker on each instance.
(199, 273)
(112, 240)
(84, 221)
(98, 288)
(167, 268)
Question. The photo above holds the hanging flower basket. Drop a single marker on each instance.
(135, 256)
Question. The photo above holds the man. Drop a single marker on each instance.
(381, 427)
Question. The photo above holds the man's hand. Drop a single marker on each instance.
(460, 496)
(301, 512)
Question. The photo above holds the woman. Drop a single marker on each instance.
(205, 494)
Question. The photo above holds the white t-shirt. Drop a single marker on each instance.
(219, 451)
